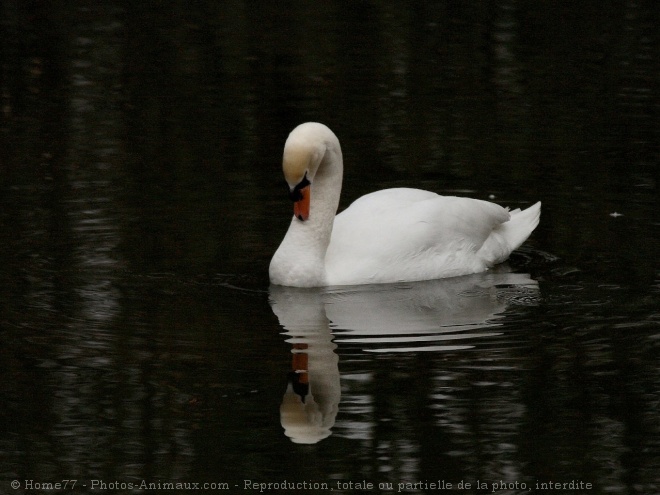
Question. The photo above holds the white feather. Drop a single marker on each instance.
(391, 235)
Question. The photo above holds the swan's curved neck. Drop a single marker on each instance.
(301, 256)
(326, 191)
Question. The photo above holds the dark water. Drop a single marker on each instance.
(141, 200)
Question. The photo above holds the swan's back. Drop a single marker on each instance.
(409, 234)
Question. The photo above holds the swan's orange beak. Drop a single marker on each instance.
(301, 203)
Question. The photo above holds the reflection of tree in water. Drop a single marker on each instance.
(526, 405)
(144, 141)
(97, 395)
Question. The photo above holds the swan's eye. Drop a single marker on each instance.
(296, 193)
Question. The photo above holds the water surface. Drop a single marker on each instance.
(141, 200)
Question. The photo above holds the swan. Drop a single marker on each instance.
(391, 235)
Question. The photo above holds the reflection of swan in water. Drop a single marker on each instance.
(311, 400)
(439, 315)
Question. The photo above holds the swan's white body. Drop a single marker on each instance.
(387, 236)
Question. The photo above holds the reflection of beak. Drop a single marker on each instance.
(300, 362)
(299, 376)
(301, 203)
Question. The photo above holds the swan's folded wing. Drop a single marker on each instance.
(409, 234)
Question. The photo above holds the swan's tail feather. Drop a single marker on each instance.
(522, 224)
(510, 235)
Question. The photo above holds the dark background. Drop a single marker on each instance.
(141, 199)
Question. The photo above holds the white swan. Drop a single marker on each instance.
(392, 235)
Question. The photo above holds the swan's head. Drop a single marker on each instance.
(303, 153)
